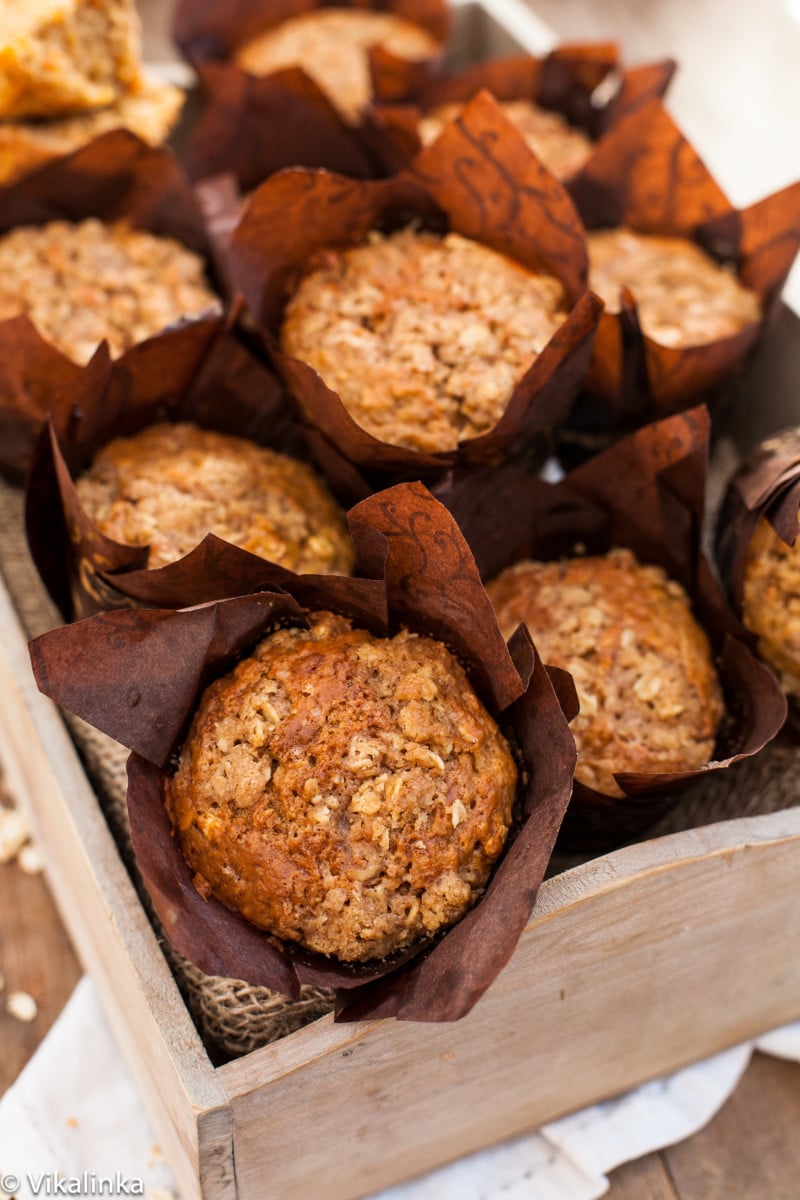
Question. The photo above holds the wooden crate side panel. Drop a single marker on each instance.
(111, 932)
(619, 987)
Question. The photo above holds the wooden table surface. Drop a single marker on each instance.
(750, 1151)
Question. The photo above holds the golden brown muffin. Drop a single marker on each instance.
(332, 45)
(683, 297)
(423, 337)
(170, 485)
(83, 283)
(771, 602)
(66, 56)
(150, 112)
(650, 698)
(344, 791)
(562, 147)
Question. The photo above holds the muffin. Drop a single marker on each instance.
(683, 297)
(332, 46)
(169, 485)
(150, 112)
(66, 56)
(342, 791)
(649, 694)
(82, 283)
(423, 337)
(563, 148)
(771, 602)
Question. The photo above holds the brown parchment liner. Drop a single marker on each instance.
(203, 374)
(767, 484)
(563, 80)
(478, 179)
(115, 177)
(252, 126)
(645, 493)
(645, 174)
(138, 675)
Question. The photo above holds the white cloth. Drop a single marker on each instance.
(75, 1110)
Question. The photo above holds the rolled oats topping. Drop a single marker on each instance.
(83, 283)
(170, 485)
(423, 337)
(343, 791)
(649, 694)
(331, 45)
(771, 602)
(563, 148)
(683, 297)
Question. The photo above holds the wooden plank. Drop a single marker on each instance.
(621, 983)
(645, 1179)
(111, 931)
(751, 1148)
(35, 957)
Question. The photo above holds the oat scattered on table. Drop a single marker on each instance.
(22, 1006)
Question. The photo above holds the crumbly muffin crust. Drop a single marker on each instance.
(423, 337)
(150, 112)
(771, 602)
(683, 297)
(563, 148)
(170, 485)
(650, 698)
(332, 45)
(344, 791)
(85, 282)
(66, 56)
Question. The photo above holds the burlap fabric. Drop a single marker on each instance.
(235, 1017)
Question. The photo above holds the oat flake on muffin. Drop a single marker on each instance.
(649, 694)
(563, 148)
(771, 602)
(170, 485)
(683, 297)
(86, 282)
(332, 45)
(344, 791)
(423, 337)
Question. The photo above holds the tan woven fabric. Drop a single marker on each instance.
(237, 1018)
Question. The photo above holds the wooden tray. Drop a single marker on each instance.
(632, 965)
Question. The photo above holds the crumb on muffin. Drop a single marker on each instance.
(563, 148)
(66, 56)
(170, 485)
(771, 602)
(332, 45)
(344, 791)
(649, 694)
(683, 297)
(423, 337)
(83, 283)
(150, 112)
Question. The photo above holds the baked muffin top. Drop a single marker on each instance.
(563, 148)
(344, 791)
(423, 337)
(332, 45)
(83, 283)
(683, 297)
(771, 602)
(649, 695)
(170, 485)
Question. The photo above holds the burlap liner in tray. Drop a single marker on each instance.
(115, 177)
(564, 81)
(251, 126)
(234, 1017)
(138, 676)
(646, 175)
(207, 376)
(645, 493)
(478, 179)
